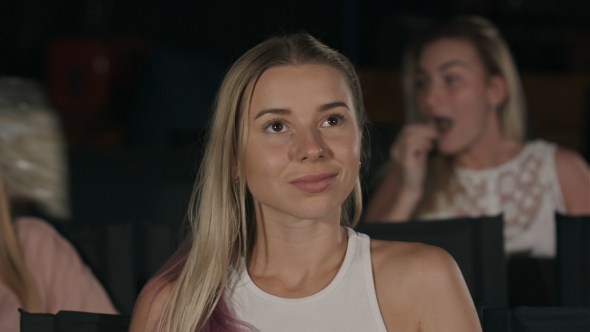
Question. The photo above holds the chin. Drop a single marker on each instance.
(315, 210)
(450, 148)
(447, 150)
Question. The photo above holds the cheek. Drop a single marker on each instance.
(347, 149)
(471, 108)
(263, 161)
(258, 175)
(421, 105)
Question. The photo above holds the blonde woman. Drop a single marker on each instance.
(41, 272)
(463, 151)
(271, 248)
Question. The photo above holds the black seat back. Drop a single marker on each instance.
(573, 260)
(108, 249)
(73, 321)
(476, 244)
(537, 319)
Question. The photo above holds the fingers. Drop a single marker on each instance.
(410, 151)
(414, 141)
(427, 130)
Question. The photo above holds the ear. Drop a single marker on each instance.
(497, 90)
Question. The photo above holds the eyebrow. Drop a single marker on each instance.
(335, 104)
(284, 111)
(272, 111)
(444, 66)
(452, 63)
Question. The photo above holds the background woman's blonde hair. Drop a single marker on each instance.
(13, 270)
(221, 214)
(32, 148)
(497, 60)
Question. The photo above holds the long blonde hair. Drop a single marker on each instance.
(496, 59)
(221, 215)
(13, 271)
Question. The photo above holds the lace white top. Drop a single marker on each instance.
(526, 189)
(347, 304)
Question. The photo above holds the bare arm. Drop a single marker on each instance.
(420, 288)
(149, 307)
(574, 180)
(401, 188)
(446, 300)
(390, 203)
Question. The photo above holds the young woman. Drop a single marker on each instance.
(270, 248)
(463, 153)
(41, 272)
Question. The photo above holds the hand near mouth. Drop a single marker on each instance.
(409, 154)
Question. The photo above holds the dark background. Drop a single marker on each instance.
(542, 33)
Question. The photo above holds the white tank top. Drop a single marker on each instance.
(525, 189)
(348, 303)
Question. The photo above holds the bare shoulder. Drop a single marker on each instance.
(388, 252)
(574, 179)
(34, 228)
(42, 244)
(567, 159)
(421, 287)
(413, 262)
(150, 306)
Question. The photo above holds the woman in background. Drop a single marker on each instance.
(270, 247)
(463, 152)
(41, 272)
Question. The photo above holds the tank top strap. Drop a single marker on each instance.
(363, 256)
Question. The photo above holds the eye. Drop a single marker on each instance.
(275, 126)
(333, 120)
(452, 80)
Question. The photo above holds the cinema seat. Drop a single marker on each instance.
(476, 244)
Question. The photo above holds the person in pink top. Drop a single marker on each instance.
(40, 271)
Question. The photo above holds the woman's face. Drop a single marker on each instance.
(303, 149)
(455, 93)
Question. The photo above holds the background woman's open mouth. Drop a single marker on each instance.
(443, 124)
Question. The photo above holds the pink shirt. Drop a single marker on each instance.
(63, 281)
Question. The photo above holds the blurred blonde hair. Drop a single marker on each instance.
(221, 214)
(32, 148)
(497, 60)
(13, 270)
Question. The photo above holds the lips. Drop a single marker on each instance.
(442, 124)
(314, 183)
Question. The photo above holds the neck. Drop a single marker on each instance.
(294, 253)
(490, 149)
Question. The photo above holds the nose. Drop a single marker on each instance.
(430, 97)
(309, 146)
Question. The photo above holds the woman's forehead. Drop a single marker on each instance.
(441, 51)
(296, 84)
